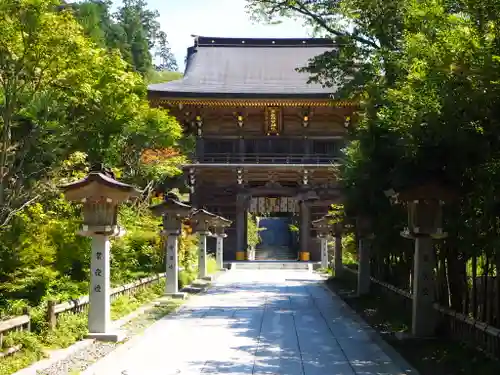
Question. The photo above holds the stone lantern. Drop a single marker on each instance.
(424, 204)
(173, 212)
(365, 234)
(219, 225)
(425, 210)
(323, 229)
(100, 195)
(202, 222)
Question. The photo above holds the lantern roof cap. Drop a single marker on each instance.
(100, 177)
(220, 221)
(202, 213)
(172, 204)
(432, 189)
(322, 220)
(99, 183)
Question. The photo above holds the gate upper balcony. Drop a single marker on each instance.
(269, 150)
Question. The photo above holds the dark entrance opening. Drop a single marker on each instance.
(278, 240)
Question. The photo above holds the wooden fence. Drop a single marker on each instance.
(455, 325)
(23, 322)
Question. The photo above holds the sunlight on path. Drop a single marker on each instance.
(254, 322)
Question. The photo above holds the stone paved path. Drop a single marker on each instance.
(254, 322)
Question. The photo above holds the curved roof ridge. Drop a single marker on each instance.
(206, 41)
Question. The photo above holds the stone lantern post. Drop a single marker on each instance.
(365, 234)
(173, 212)
(219, 225)
(323, 229)
(425, 223)
(100, 195)
(201, 222)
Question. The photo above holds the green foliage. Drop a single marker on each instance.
(253, 237)
(67, 101)
(186, 277)
(126, 304)
(61, 93)
(72, 93)
(33, 352)
(162, 76)
(211, 265)
(426, 76)
(188, 250)
(133, 30)
(349, 249)
(70, 328)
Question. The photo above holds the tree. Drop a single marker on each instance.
(134, 30)
(141, 30)
(165, 54)
(425, 74)
(368, 31)
(40, 49)
(60, 93)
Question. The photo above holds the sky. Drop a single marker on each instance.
(217, 18)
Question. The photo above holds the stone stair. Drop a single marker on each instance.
(271, 265)
(275, 253)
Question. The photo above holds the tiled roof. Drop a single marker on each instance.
(248, 68)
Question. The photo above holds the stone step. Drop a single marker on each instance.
(270, 265)
(276, 257)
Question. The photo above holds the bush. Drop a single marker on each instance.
(186, 277)
(32, 351)
(70, 328)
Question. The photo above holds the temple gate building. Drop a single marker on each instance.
(267, 141)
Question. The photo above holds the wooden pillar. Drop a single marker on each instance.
(241, 227)
(305, 230)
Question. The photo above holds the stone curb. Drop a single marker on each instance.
(372, 333)
(59, 354)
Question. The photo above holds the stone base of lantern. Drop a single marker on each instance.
(178, 295)
(113, 336)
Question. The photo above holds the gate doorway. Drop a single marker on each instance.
(278, 241)
(276, 222)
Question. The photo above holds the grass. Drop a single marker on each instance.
(388, 315)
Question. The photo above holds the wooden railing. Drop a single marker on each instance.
(229, 158)
(19, 323)
(23, 322)
(457, 326)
